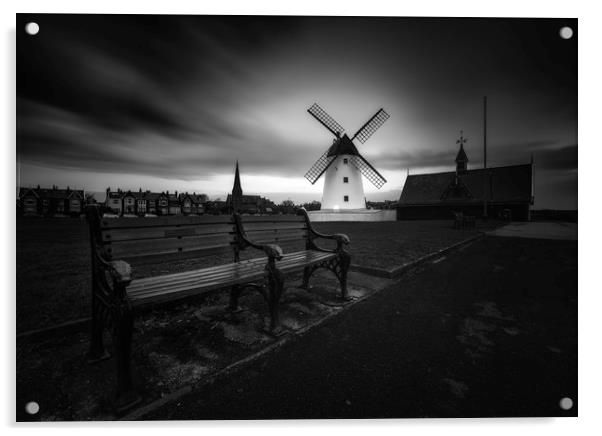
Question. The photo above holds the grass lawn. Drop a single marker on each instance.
(53, 260)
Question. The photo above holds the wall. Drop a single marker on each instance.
(371, 215)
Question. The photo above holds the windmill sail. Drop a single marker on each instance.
(371, 126)
(326, 120)
(319, 167)
(368, 171)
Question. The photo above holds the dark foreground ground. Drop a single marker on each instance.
(491, 330)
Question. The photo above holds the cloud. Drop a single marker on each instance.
(181, 98)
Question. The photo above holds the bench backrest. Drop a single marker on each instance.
(126, 238)
(287, 231)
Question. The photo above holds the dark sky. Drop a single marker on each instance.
(170, 102)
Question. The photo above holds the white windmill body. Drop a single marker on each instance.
(343, 187)
(343, 166)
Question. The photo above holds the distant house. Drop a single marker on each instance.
(51, 201)
(151, 202)
(162, 204)
(174, 204)
(146, 202)
(141, 202)
(129, 203)
(113, 201)
(192, 203)
(437, 195)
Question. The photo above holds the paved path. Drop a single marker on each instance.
(538, 230)
(489, 330)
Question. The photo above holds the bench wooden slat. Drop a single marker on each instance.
(158, 232)
(263, 225)
(280, 241)
(271, 218)
(116, 223)
(175, 256)
(206, 278)
(273, 235)
(199, 276)
(239, 268)
(184, 289)
(146, 247)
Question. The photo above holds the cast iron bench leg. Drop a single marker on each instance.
(306, 275)
(97, 350)
(275, 279)
(127, 397)
(344, 263)
(234, 295)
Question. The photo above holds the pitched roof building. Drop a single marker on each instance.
(237, 202)
(51, 201)
(437, 195)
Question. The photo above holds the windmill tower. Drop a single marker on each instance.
(342, 165)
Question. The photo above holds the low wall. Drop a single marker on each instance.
(369, 215)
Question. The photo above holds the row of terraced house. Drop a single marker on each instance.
(142, 202)
(50, 201)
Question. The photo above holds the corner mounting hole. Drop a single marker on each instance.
(32, 407)
(566, 403)
(32, 28)
(566, 32)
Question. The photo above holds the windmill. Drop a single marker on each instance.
(343, 165)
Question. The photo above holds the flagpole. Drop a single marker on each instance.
(485, 157)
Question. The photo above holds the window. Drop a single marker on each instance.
(345, 179)
(346, 198)
(345, 161)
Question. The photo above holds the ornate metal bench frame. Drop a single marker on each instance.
(113, 310)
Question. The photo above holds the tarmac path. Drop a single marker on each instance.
(487, 330)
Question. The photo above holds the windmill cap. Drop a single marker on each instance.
(344, 145)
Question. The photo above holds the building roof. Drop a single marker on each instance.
(344, 145)
(49, 193)
(245, 198)
(509, 184)
(195, 198)
(461, 156)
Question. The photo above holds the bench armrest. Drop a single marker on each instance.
(273, 251)
(121, 272)
(341, 238)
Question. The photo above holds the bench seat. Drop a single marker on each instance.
(152, 290)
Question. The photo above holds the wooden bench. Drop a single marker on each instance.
(117, 296)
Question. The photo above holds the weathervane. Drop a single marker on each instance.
(462, 140)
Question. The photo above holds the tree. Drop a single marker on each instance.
(89, 198)
(287, 207)
(313, 205)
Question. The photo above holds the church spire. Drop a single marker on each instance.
(237, 189)
(461, 158)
